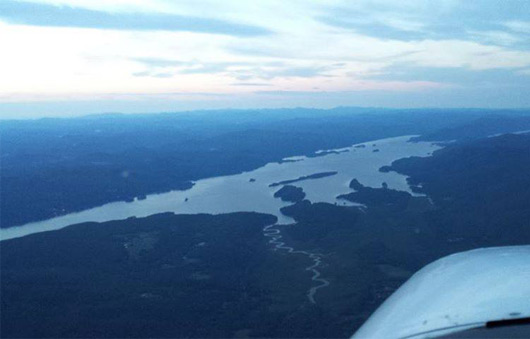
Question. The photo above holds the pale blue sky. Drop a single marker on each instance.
(75, 57)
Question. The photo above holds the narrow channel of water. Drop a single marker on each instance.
(274, 234)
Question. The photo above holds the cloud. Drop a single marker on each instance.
(141, 74)
(83, 49)
(366, 19)
(65, 16)
(252, 84)
(302, 72)
(498, 38)
(163, 75)
(283, 71)
(237, 70)
(519, 26)
(208, 68)
(371, 85)
(159, 62)
(426, 19)
(491, 78)
(467, 55)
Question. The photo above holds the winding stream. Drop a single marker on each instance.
(275, 235)
(252, 192)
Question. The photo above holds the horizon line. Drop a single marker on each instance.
(218, 110)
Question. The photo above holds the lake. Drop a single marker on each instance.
(250, 191)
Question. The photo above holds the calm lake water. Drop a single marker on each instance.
(250, 191)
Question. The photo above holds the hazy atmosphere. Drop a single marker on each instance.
(265, 169)
(74, 57)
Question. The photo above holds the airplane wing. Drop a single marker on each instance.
(480, 289)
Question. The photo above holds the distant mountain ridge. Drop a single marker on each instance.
(483, 127)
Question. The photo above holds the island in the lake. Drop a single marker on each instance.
(290, 193)
(305, 177)
(376, 196)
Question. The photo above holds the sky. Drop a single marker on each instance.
(78, 57)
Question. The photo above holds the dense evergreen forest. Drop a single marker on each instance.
(53, 167)
(218, 276)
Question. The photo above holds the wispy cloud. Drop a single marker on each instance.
(237, 70)
(285, 71)
(65, 16)
(519, 26)
(251, 84)
(499, 38)
(427, 19)
(84, 49)
(160, 62)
